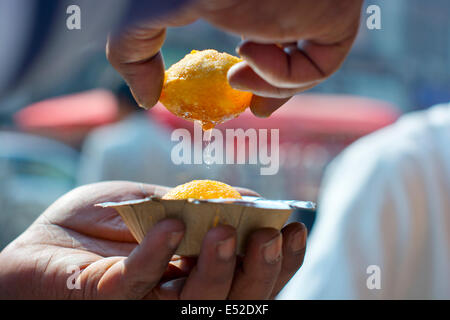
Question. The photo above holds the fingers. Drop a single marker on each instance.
(278, 67)
(294, 246)
(135, 276)
(136, 56)
(279, 72)
(267, 98)
(294, 66)
(260, 268)
(213, 275)
(242, 77)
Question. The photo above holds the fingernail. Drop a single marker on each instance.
(239, 87)
(298, 241)
(272, 250)
(173, 285)
(143, 107)
(261, 113)
(138, 101)
(175, 239)
(226, 248)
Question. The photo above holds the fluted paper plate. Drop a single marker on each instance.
(246, 216)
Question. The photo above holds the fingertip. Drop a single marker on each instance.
(219, 243)
(220, 233)
(213, 274)
(235, 74)
(238, 47)
(294, 226)
(242, 47)
(135, 276)
(241, 76)
(296, 236)
(246, 49)
(145, 79)
(247, 192)
(263, 107)
(265, 245)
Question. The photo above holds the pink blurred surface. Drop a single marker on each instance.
(69, 118)
(308, 116)
(313, 130)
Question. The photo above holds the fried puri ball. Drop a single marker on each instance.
(203, 189)
(196, 88)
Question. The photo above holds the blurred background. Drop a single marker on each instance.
(91, 130)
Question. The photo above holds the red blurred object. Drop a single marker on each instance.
(308, 116)
(69, 118)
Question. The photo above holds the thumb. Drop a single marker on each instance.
(135, 276)
(136, 55)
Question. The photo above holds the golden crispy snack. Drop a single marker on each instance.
(203, 189)
(197, 88)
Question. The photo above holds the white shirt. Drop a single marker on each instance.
(385, 203)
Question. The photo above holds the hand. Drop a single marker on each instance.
(72, 232)
(291, 46)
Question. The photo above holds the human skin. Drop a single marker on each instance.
(73, 232)
(290, 46)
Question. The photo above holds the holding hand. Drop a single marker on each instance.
(290, 46)
(73, 232)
